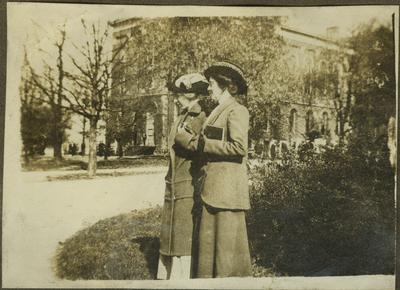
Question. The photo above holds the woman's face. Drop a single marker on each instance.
(185, 99)
(214, 90)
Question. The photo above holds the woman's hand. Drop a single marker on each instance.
(185, 127)
(201, 142)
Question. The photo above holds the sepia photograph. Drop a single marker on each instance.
(200, 147)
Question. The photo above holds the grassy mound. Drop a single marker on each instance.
(124, 247)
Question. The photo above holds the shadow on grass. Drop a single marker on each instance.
(47, 163)
(149, 247)
(124, 247)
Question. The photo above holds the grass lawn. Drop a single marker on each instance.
(43, 163)
(84, 175)
(124, 247)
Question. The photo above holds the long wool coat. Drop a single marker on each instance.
(223, 249)
(225, 173)
(181, 189)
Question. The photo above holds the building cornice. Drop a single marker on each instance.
(288, 33)
(295, 35)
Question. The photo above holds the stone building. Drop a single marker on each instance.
(320, 114)
(298, 118)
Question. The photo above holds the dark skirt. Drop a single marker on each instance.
(222, 244)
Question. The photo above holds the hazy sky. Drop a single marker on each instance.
(36, 18)
(317, 19)
(35, 24)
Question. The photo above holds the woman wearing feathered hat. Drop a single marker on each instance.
(223, 249)
(181, 180)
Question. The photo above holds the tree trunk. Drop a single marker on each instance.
(58, 131)
(92, 163)
(341, 128)
(83, 144)
(57, 150)
(391, 142)
(83, 149)
(26, 157)
(120, 151)
(107, 150)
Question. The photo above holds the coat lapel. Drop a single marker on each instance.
(194, 111)
(171, 139)
(217, 111)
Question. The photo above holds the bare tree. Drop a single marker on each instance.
(51, 86)
(35, 115)
(89, 85)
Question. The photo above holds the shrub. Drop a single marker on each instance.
(118, 248)
(328, 213)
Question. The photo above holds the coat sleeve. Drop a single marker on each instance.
(237, 141)
(189, 140)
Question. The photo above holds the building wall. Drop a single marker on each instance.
(303, 53)
(161, 123)
(156, 122)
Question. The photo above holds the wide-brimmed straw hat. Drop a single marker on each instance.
(230, 70)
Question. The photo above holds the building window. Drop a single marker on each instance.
(276, 123)
(338, 126)
(293, 121)
(310, 56)
(325, 124)
(272, 151)
(284, 149)
(309, 121)
(323, 66)
(266, 149)
(148, 138)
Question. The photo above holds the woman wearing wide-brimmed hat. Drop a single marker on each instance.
(181, 182)
(223, 249)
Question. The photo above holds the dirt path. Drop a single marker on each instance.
(39, 214)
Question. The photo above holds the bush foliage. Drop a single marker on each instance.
(329, 213)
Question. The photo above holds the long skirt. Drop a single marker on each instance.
(173, 267)
(223, 248)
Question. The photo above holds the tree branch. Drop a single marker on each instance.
(76, 98)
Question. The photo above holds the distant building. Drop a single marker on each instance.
(319, 114)
(297, 118)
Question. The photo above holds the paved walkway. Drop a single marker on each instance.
(39, 214)
(370, 282)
